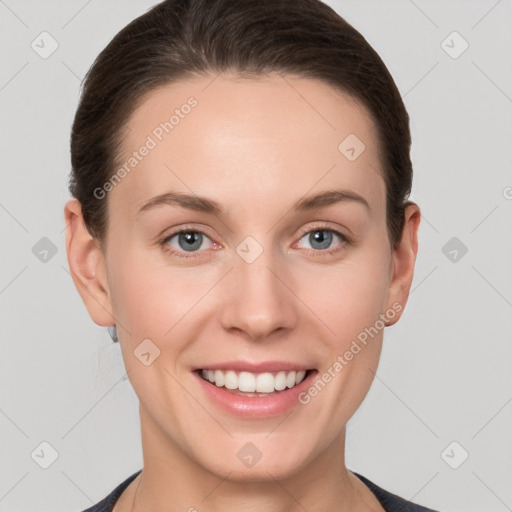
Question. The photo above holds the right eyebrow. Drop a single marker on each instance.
(192, 202)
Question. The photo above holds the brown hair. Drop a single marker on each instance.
(178, 39)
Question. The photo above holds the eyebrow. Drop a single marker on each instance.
(205, 205)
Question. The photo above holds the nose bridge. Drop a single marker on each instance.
(260, 303)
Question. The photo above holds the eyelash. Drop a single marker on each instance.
(313, 252)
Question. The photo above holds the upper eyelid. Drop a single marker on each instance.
(187, 229)
(320, 227)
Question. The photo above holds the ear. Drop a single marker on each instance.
(403, 261)
(87, 266)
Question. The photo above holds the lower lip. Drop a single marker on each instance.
(256, 406)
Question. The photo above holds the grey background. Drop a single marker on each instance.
(445, 373)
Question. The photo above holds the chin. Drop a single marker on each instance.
(250, 465)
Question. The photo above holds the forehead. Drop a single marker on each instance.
(261, 139)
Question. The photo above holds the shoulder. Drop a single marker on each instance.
(392, 502)
(107, 503)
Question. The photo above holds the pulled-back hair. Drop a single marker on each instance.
(178, 39)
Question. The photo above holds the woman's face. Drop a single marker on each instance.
(284, 265)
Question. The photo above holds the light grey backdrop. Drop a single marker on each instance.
(443, 389)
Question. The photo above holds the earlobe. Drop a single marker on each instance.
(403, 261)
(87, 265)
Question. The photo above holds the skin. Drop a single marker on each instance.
(256, 146)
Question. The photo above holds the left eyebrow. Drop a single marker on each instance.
(328, 198)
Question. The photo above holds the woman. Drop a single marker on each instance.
(240, 173)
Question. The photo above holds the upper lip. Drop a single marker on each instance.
(253, 367)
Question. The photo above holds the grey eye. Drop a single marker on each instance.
(320, 239)
(188, 241)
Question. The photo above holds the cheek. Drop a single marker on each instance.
(350, 296)
(354, 296)
(150, 298)
(138, 294)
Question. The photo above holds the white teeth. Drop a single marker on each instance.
(231, 380)
(265, 383)
(290, 379)
(280, 381)
(219, 378)
(254, 382)
(300, 377)
(247, 382)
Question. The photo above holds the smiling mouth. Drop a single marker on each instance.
(254, 384)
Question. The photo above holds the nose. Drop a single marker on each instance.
(259, 301)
